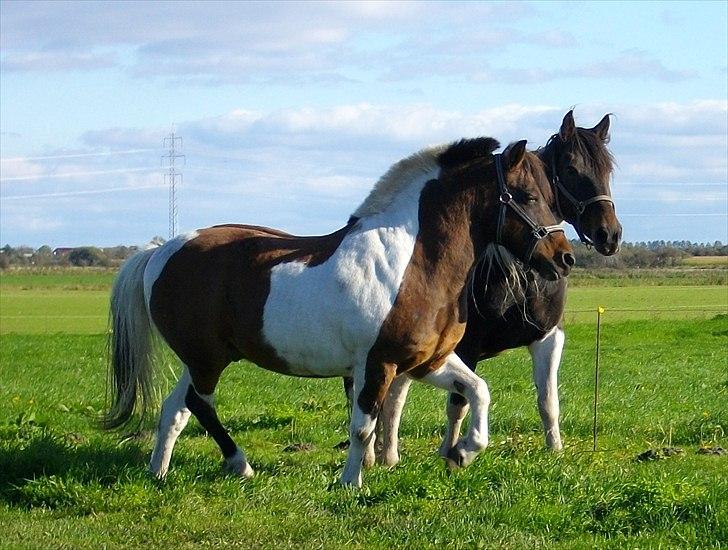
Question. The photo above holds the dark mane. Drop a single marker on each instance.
(467, 150)
(592, 150)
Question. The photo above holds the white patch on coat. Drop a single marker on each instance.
(160, 258)
(324, 319)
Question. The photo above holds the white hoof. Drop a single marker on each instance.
(389, 459)
(158, 473)
(238, 465)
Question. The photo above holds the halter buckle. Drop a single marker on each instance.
(505, 197)
(540, 232)
(580, 207)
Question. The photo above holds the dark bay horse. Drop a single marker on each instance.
(384, 295)
(501, 317)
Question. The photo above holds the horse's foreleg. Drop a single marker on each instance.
(203, 407)
(454, 376)
(546, 357)
(389, 419)
(172, 421)
(370, 388)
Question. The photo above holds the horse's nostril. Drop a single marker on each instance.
(602, 235)
(569, 259)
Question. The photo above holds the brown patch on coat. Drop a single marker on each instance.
(208, 301)
(428, 317)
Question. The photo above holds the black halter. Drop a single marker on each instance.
(577, 205)
(538, 232)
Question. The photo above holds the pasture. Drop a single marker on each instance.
(664, 384)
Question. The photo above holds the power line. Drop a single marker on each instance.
(75, 193)
(74, 174)
(76, 155)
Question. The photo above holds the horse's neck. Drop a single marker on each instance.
(547, 155)
(447, 234)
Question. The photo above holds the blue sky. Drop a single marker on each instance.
(290, 111)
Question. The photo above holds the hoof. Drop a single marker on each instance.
(453, 459)
(355, 483)
(368, 460)
(457, 457)
(158, 475)
(389, 460)
(237, 465)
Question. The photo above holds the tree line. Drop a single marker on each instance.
(647, 254)
(639, 254)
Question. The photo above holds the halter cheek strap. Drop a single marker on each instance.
(538, 232)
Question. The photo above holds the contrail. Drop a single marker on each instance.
(88, 192)
(77, 155)
(77, 174)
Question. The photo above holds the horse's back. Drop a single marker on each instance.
(300, 305)
(209, 289)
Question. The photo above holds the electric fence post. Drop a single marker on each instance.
(600, 311)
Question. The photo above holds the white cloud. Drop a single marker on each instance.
(18, 168)
(306, 169)
(57, 61)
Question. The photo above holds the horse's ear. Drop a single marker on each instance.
(568, 126)
(514, 154)
(602, 129)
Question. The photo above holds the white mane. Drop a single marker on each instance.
(398, 177)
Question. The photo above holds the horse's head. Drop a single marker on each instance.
(526, 224)
(580, 166)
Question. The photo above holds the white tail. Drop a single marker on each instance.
(131, 345)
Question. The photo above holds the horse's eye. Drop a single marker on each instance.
(572, 171)
(531, 199)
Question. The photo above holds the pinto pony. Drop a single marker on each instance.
(511, 307)
(383, 296)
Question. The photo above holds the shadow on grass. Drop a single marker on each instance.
(40, 453)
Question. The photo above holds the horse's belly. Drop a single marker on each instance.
(323, 320)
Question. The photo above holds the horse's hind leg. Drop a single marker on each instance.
(455, 376)
(546, 357)
(389, 420)
(172, 421)
(202, 405)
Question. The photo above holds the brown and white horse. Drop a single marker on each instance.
(382, 296)
(501, 317)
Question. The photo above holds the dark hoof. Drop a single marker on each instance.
(454, 459)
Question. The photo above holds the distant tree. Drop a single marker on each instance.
(43, 257)
(87, 256)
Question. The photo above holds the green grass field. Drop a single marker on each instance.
(76, 301)
(707, 261)
(664, 383)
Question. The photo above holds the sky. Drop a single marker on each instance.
(290, 111)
